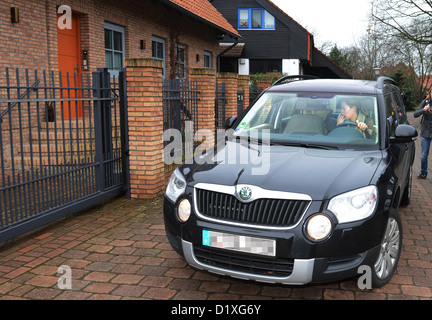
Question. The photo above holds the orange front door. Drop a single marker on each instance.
(69, 62)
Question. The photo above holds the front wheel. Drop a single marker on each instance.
(388, 257)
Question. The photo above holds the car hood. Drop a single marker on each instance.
(321, 174)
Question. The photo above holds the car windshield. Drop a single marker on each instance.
(337, 121)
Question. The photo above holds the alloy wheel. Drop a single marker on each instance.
(390, 250)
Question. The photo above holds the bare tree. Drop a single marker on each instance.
(401, 17)
(373, 50)
(418, 56)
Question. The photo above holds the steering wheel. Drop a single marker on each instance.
(342, 130)
(347, 123)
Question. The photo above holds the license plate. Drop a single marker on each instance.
(261, 246)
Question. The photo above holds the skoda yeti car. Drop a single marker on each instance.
(304, 188)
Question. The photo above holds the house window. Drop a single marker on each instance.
(181, 62)
(114, 47)
(158, 51)
(243, 18)
(269, 21)
(207, 59)
(255, 18)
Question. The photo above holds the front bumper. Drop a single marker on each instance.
(301, 274)
(298, 261)
(302, 271)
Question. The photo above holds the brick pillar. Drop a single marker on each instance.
(264, 83)
(230, 80)
(206, 85)
(145, 119)
(243, 85)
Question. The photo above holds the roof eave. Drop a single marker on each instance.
(200, 19)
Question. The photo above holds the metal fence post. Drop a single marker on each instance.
(124, 131)
(99, 169)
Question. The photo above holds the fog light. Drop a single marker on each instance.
(184, 210)
(318, 227)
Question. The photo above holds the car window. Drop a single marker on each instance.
(399, 107)
(313, 118)
(390, 114)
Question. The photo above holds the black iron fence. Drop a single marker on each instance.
(240, 102)
(220, 105)
(180, 104)
(63, 145)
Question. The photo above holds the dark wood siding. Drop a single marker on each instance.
(288, 41)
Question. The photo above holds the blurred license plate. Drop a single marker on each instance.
(261, 246)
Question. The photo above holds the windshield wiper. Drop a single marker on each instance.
(285, 143)
(304, 145)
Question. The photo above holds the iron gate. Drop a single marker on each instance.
(220, 104)
(180, 104)
(240, 102)
(63, 145)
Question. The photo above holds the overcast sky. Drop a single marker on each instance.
(338, 21)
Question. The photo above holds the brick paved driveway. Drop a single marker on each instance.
(119, 251)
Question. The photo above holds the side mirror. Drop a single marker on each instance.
(404, 133)
(229, 122)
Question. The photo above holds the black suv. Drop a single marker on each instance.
(305, 187)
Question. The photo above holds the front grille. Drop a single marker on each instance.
(263, 212)
(244, 263)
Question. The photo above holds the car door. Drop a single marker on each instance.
(409, 148)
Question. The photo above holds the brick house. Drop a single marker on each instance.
(78, 37)
(68, 142)
(104, 33)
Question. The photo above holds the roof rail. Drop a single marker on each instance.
(381, 80)
(300, 77)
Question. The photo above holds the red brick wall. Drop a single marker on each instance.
(230, 80)
(206, 85)
(32, 43)
(145, 116)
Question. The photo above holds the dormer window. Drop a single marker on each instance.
(255, 18)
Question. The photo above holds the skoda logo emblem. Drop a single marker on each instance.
(245, 193)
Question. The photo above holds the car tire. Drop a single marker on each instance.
(406, 196)
(388, 257)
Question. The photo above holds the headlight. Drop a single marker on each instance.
(184, 210)
(176, 186)
(354, 205)
(318, 227)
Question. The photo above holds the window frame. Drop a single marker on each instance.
(114, 71)
(250, 20)
(159, 40)
(207, 54)
(181, 50)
